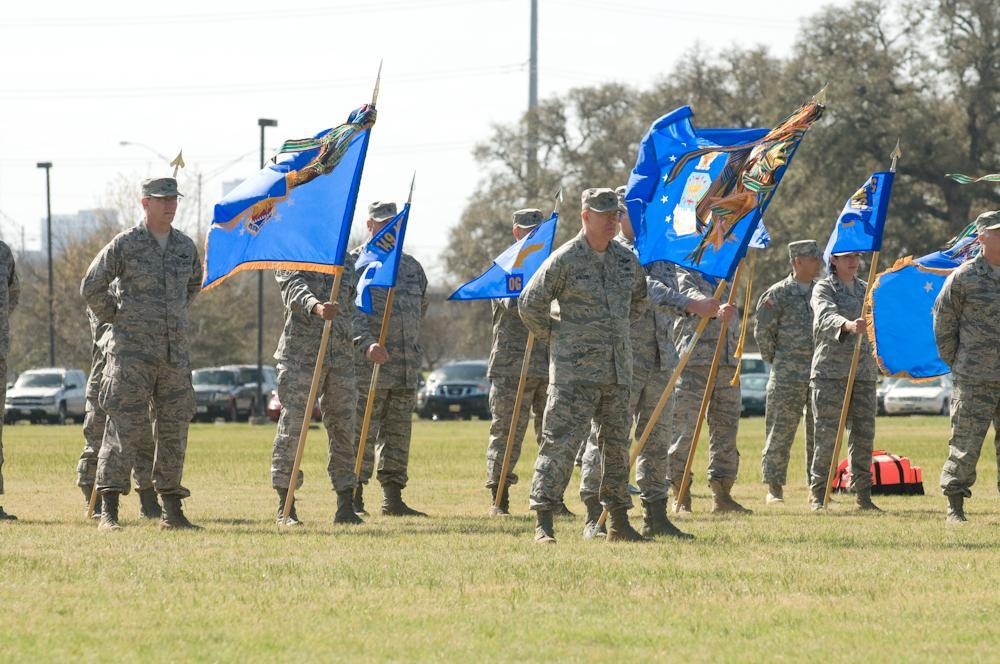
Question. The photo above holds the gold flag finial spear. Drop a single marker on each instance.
(896, 154)
(409, 199)
(178, 162)
(378, 80)
(820, 97)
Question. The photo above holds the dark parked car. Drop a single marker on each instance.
(753, 388)
(214, 393)
(457, 389)
(246, 382)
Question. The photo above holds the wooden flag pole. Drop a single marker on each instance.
(318, 369)
(366, 422)
(747, 302)
(707, 397)
(93, 497)
(324, 341)
(509, 449)
(849, 392)
(668, 392)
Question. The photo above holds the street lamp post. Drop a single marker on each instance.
(47, 165)
(262, 123)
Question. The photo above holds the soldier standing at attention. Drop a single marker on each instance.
(967, 331)
(10, 290)
(94, 422)
(509, 339)
(396, 392)
(837, 304)
(600, 289)
(653, 360)
(159, 273)
(783, 329)
(724, 408)
(306, 310)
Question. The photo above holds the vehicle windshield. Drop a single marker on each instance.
(453, 372)
(30, 379)
(906, 382)
(248, 375)
(753, 382)
(213, 377)
(753, 366)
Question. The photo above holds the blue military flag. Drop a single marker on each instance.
(295, 213)
(902, 316)
(860, 225)
(378, 263)
(511, 270)
(696, 196)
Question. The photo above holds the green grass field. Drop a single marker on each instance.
(782, 584)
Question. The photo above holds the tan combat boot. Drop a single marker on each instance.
(723, 500)
(775, 494)
(956, 510)
(544, 532)
(685, 506)
(655, 521)
(864, 501)
(620, 530)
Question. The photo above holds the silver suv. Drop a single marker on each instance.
(51, 395)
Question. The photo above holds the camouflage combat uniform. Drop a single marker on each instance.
(966, 324)
(724, 407)
(590, 363)
(506, 357)
(833, 304)
(95, 420)
(783, 330)
(654, 357)
(296, 357)
(10, 291)
(147, 353)
(395, 394)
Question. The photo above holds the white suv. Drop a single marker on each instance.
(52, 395)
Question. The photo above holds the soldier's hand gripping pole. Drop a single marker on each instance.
(370, 402)
(509, 449)
(667, 391)
(706, 397)
(311, 400)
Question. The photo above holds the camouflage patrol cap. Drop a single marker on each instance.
(160, 188)
(380, 211)
(528, 218)
(988, 221)
(806, 248)
(600, 199)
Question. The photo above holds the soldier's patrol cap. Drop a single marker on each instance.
(380, 211)
(160, 188)
(807, 248)
(528, 218)
(988, 221)
(600, 199)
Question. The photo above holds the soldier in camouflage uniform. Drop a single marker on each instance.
(724, 406)
(307, 307)
(93, 433)
(510, 337)
(837, 304)
(10, 291)
(159, 273)
(966, 324)
(600, 289)
(653, 360)
(395, 394)
(783, 330)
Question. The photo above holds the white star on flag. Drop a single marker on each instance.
(928, 287)
(664, 199)
(667, 219)
(673, 158)
(666, 176)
